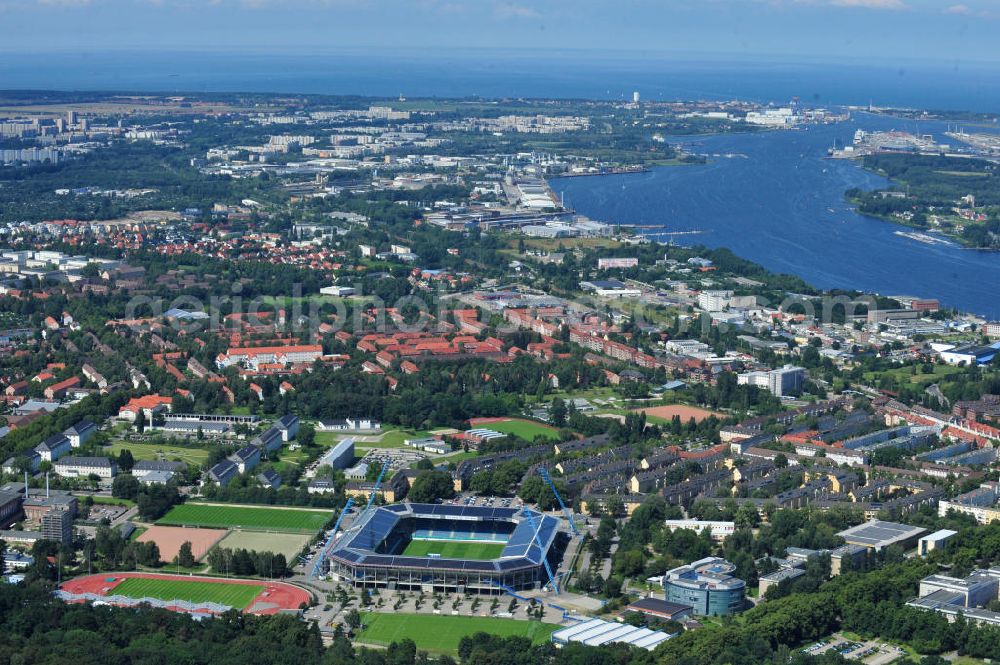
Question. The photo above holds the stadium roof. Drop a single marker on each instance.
(533, 535)
(877, 534)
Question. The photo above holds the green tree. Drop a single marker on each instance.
(125, 460)
(125, 486)
(185, 557)
(432, 486)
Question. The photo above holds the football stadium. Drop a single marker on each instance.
(445, 548)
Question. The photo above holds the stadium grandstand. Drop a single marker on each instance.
(447, 548)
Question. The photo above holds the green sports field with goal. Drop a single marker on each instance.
(255, 518)
(238, 596)
(441, 633)
(454, 549)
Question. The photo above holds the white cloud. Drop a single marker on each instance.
(871, 4)
(506, 10)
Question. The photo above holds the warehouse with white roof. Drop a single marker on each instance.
(595, 632)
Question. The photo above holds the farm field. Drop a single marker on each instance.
(441, 634)
(525, 429)
(233, 595)
(289, 544)
(454, 549)
(253, 518)
(169, 539)
(149, 451)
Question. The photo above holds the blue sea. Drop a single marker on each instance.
(486, 73)
(773, 198)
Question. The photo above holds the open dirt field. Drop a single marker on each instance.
(685, 412)
(170, 538)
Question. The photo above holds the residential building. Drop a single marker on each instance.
(79, 433)
(349, 425)
(82, 467)
(269, 478)
(144, 468)
(246, 458)
(288, 426)
(148, 405)
(934, 541)
(53, 447)
(340, 456)
(223, 472)
(720, 530)
(253, 358)
(57, 525)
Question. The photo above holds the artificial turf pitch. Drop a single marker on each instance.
(454, 549)
(238, 596)
(251, 519)
(441, 633)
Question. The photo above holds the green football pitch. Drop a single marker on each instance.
(525, 429)
(238, 596)
(454, 549)
(248, 518)
(441, 633)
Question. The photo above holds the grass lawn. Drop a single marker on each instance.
(457, 457)
(454, 549)
(441, 633)
(111, 501)
(256, 518)
(289, 544)
(233, 595)
(148, 451)
(524, 429)
(389, 439)
(904, 373)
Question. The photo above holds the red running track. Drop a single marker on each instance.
(273, 597)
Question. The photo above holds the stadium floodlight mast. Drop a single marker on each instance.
(544, 473)
(321, 557)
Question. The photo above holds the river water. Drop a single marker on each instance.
(772, 198)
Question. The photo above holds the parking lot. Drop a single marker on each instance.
(467, 499)
(870, 652)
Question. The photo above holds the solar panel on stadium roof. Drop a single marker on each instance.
(477, 565)
(511, 565)
(441, 564)
(546, 530)
(473, 511)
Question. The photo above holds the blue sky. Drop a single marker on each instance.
(946, 31)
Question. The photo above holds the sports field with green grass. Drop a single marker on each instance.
(233, 595)
(150, 451)
(524, 429)
(454, 549)
(255, 518)
(441, 634)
